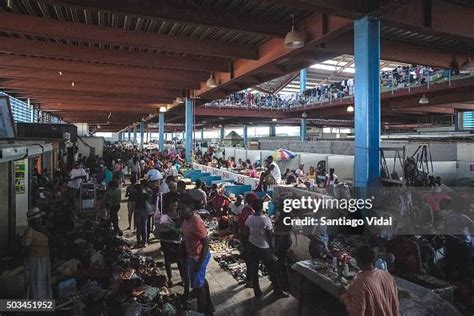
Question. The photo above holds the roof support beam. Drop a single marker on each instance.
(273, 50)
(45, 94)
(445, 19)
(36, 48)
(16, 23)
(56, 65)
(86, 88)
(166, 10)
(52, 77)
(399, 51)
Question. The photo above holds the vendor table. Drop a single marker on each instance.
(419, 300)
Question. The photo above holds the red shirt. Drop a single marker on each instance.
(434, 200)
(246, 212)
(194, 232)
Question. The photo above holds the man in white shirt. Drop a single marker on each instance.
(74, 184)
(75, 176)
(274, 169)
(259, 228)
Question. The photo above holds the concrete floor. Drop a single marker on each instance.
(230, 298)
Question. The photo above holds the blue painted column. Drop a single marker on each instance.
(129, 134)
(134, 134)
(202, 134)
(272, 131)
(222, 133)
(189, 124)
(303, 80)
(246, 136)
(367, 101)
(142, 134)
(303, 126)
(161, 131)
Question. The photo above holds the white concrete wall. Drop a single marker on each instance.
(96, 142)
(451, 161)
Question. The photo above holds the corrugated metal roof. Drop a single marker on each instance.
(64, 12)
(429, 40)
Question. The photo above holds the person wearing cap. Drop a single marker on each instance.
(37, 278)
(153, 175)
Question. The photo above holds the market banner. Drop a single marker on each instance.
(228, 175)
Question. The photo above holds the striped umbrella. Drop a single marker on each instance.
(283, 154)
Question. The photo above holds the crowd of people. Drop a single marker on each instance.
(162, 204)
(326, 91)
(270, 174)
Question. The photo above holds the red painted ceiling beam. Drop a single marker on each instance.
(111, 56)
(34, 26)
(120, 71)
(96, 79)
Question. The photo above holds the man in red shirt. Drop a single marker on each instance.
(197, 248)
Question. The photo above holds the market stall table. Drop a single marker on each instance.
(414, 299)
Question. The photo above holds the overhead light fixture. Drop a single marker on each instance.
(98, 126)
(467, 66)
(60, 73)
(163, 109)
(293, 38)
(211, 82)
(304, 115)
(72, 83)
(350, 108)
(274, 119)
(424, 100)
(179, 100)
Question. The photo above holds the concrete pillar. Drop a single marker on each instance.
(303, 126)
(202, 134)
(303, 79)
(367, 101)
(142, 134)
(134, 134)
(272, 131)
(246, 136)
(222, 133)
(161, 131)
(189, 124)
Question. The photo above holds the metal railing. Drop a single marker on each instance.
(390, 81)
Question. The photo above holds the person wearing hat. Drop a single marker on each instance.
(37, 278)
